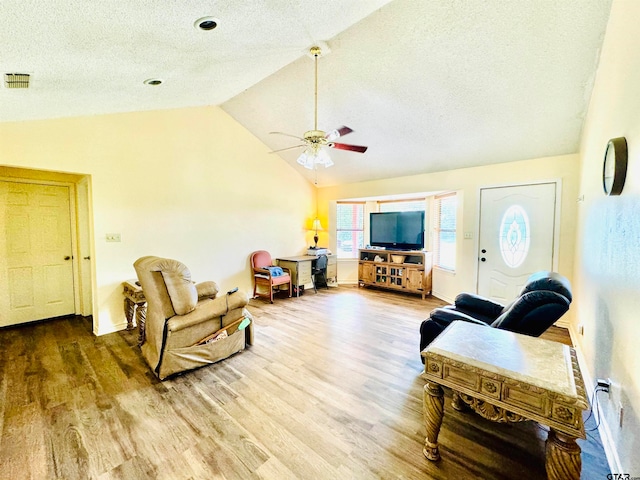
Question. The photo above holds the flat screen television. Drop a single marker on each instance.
(397, 230)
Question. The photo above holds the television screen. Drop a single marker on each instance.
(399, 230)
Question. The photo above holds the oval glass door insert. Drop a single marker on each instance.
(514, 236)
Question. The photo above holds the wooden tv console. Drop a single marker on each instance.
(409, 274)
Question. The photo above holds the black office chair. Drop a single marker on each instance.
(319, 268)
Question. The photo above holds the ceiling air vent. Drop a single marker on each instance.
(16, 80)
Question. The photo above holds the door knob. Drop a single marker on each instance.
(67, 257)
(484, 251)
(88, 258)
(483, 259)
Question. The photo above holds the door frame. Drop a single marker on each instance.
(556, 226)
(75, 247)
(84, 228)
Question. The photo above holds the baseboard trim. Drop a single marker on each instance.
(110, 328)
(603, 429)
(444, 298)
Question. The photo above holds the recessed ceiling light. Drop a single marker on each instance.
(153, 81)
(206, 23)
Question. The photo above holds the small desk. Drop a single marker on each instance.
(134, 301)
(301, 266)
(508, 377)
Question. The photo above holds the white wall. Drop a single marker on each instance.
(607, 273)
(190, 184)
(467, 183)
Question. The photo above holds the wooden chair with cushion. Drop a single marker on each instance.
(266, 276)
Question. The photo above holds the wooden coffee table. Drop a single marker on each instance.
(508, 377)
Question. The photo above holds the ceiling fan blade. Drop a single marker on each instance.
(288, 148)
(287, 134)
(352, 148)
(338, 132)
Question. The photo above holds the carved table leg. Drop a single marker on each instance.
(562, 457)
(457, 403)
(129, 307)
(433, 409)
(141, 317)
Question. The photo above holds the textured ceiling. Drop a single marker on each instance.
(428, 85)
(91, 57)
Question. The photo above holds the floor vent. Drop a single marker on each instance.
(16, 80)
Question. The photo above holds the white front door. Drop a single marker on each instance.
(36, 269)
(516, 237)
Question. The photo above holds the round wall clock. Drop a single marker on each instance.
(614, 170)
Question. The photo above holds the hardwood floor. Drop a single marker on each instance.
(330, 390)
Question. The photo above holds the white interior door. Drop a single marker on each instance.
(37, 267)
(517, 231)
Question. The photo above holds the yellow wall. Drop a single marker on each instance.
(467, 183)
(607, 274)
(190, 184)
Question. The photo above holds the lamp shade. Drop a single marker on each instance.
(316, 225)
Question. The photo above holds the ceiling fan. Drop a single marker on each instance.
(315, 140)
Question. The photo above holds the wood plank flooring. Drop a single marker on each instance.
(331, 390)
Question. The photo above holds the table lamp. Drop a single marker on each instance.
(316, 226)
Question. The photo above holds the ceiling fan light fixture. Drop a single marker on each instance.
(323, 158)
(306, 159)
(312, 157)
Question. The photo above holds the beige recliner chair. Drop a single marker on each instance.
(188, 325)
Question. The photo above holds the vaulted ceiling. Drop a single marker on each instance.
(427, 85)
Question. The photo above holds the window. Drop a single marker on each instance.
(350, 229)
(444, 241)
(402, 206)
